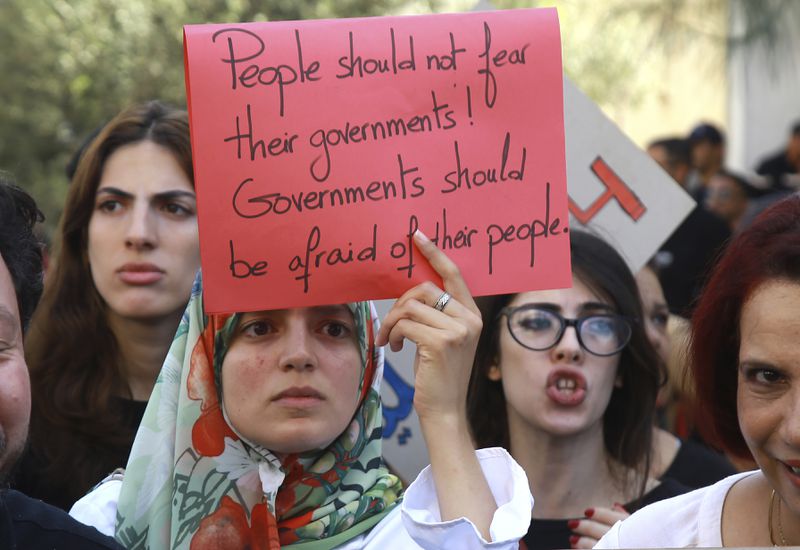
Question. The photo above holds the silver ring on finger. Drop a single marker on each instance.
(442, 302)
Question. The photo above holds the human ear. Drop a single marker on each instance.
(494, 373)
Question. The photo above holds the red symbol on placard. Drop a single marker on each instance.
(615, 188)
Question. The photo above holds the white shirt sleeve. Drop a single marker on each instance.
(509, 486)
(99, 508)
(611, 538)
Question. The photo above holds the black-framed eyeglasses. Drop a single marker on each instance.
(539, 329)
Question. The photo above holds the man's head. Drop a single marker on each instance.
(20, 288)
(673, 156)
(728, 195)
(707, 146)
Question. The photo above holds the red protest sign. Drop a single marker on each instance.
(320, 146)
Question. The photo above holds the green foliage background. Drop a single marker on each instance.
(68, 66)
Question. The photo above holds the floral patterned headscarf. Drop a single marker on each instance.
(192, 482)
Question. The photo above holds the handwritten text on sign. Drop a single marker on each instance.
(321, 146)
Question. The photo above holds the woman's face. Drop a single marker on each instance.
(290, 378)
(564, 390)
(768, 396)
(143, 246)
(656, 312)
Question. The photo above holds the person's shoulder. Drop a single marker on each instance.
(700, 228)
(667, 488)
(36, 524)
(772, 163)
(693, 449)
(696, 465)
(690, 519)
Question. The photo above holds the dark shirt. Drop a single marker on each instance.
(684, 260)
(775, 168)
(697, 466)
(29, 524)
(547, 534)
(29, 479)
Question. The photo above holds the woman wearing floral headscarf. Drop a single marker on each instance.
(264, 431)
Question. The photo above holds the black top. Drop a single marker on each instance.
(29, 480)
(547, 534)
(687, 255)
(775, 168)
(29, 524)
(697, 466)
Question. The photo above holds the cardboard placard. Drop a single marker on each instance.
(615, 188)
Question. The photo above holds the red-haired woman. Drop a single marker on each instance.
(745, 357)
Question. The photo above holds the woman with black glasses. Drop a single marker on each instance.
(566, 380)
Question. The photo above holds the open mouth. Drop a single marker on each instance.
(566, 384)
(566, 388)
(794, 469)
(792, 472)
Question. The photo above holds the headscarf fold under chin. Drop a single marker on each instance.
(193, 482)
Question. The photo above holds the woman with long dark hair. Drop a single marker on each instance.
(566, 380)
(128, 252)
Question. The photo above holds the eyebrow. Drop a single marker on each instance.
(544, 305)
(750, 363)
(591, 306)
(164, 195)
(329, 309)
(586, 306)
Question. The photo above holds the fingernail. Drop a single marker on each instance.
(589, 512)
(573, 540)
(421, 237)
(573, 523)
